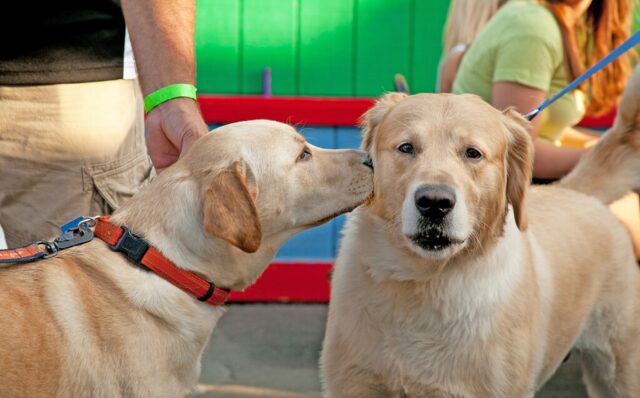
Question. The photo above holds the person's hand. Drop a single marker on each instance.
(171, 128)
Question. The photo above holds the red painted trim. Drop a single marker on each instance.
(600, 122)
(311, 111)
(289, 282)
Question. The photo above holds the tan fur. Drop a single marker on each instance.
(611, 164)
(374, 116)
(532, 273)
(88, 323)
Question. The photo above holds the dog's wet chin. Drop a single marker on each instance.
(434, 244)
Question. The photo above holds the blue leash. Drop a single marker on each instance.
(623, 48)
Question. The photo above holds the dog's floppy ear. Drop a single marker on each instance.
(229, 208)
(519, 164)
(372, 118)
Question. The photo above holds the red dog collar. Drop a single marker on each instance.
(145, 255)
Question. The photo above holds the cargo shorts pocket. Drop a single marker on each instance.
(117, 182)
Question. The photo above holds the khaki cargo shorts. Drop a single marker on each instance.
(68, 150)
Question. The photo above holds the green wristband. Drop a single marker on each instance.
(168, 92)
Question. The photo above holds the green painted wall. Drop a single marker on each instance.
(218, 37)
(326, 47)
(319, 47)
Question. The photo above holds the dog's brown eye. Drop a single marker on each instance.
(407, 148)
(305, 155)
(473, 153)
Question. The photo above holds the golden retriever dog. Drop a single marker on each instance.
(88, 323)
(459, 280)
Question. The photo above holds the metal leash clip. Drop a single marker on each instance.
(50, 247)
(74, 233)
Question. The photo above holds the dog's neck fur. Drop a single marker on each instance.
(464, 286)
(186, 323)
(176, 326)
(459, 306)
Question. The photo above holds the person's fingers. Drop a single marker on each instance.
(191, 135)
(172, 128)
(160, 149)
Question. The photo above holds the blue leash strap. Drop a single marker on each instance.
(623, 48)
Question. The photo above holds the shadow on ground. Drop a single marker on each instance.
(271, 351)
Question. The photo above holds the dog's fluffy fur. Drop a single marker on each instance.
(88, 323)
(518, 278)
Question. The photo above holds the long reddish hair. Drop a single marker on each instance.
(607, 24)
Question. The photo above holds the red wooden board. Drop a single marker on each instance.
(600, 122)
(310, 111)
(286, 282)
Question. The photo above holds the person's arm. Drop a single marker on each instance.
(579, 138)
(162, 37)
(551, 161)
(448, 71)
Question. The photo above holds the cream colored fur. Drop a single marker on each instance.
(536, 272)
(88, 323)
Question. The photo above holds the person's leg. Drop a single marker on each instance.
(65, 151)
(38, 196)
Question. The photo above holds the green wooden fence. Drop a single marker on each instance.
(319, 47)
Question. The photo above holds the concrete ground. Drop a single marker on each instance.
(271, 351)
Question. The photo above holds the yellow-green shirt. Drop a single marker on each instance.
(522, 43)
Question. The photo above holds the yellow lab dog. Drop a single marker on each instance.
(88, 323)
(457, 280)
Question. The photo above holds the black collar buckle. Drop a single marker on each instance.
(132, 245)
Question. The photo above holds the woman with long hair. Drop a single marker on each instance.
(531, 49)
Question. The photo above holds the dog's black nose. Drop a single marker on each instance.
(435, 201)
(367, 161)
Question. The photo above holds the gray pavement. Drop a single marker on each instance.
(271, 351)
